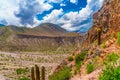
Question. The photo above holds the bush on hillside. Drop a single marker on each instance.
(80, 57)
(110, 73)
(22, 70)
(113, 57)
(62, 74)
(118, 38)
(70, 58)
(79, 60)
(103, 45)
(24, 78)
(90, 68)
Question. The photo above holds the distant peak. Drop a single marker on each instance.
(2, 25)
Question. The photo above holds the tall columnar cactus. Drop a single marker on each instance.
(43, 73)
(32, 74)
(99, 36)
(37, 73)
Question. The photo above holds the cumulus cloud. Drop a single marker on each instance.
(23, 12)
(53, 17)
(7, 9)
(74, 1)
(55, 1)
(82, 20)
(75, 21)
(62, 4)
(29, 9)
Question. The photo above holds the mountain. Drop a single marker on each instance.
(1, 25)
(107, 19)
(50, 29)
(98, 59)
(45, 37)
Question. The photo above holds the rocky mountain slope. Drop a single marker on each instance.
(99, 58)
(46, 37)
(107, 19)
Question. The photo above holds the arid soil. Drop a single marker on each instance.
(9, 62)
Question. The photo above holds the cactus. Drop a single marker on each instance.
(32, 74)
(37, 73)
(99, 36)
(43, 73)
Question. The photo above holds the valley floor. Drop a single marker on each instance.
(10, 62)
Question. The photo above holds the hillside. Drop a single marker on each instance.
(99, 58)
(107, 19)
(1, 25)
(46, 37)
(50, 29)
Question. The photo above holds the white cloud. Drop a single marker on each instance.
(73, 21)
(55, 1)
(44, 6)
(69, 27)
(62, 4)
(74, 1)
(7, 9)
(70, 21)
(53, 16)
(73, 18)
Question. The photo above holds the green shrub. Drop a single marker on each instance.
(24, 78)
(62, 74)
(112, 57)
(90, 68)
(22, 70)
(70, 58)
(118, 38)
(77, 66)
(103, 45)
(79, 59)
(110, 73)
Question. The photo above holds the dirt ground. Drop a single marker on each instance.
(9, 62)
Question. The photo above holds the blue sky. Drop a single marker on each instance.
(72, 15)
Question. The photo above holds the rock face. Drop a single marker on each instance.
(46, 37)
(107, 19)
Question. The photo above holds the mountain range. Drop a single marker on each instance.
(45, 37)
(1, 25)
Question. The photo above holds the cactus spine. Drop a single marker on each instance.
(43, 73)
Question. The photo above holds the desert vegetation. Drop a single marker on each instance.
(112, 68)
(90, 68)
(118, 38)
(79, 60)
(62, 74)
(19, 64)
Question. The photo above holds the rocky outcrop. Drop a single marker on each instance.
(107, 19)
